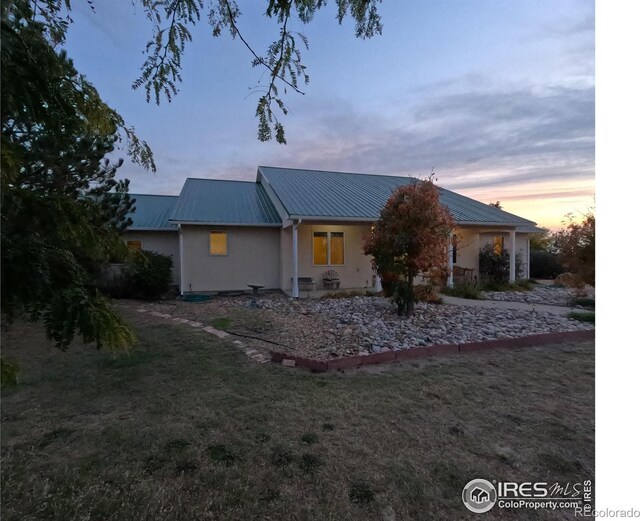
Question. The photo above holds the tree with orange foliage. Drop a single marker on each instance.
(410, 238)
(576, 245)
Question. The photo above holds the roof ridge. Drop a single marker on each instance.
(219, 180)
(337, 172)
(153, 195)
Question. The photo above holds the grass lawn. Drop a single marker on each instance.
(187, 427)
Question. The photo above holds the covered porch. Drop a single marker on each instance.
(466, 243)
(318, 257)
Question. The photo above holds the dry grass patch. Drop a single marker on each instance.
(186, 427)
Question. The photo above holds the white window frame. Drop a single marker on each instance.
(226, 233)
(329, 233)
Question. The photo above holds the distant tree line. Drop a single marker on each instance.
(572, 249)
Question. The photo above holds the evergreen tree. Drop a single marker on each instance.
(62, 208)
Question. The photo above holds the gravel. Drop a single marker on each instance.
(329, 328)
(553, 295)
(341, 327)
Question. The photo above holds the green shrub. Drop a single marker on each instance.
(544, 265)
(586, 302)
(463, 291)
(583, 316)
(494, 267)
(147, 275)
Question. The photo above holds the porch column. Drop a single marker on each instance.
(181, 255)
(528, 275)
(294, 286)
(450, 260)
(512, 256)
(378, 286)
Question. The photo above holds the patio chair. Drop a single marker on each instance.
(331, 279)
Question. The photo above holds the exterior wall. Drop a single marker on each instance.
(166, 243)
(468, 241)
(472, 240)
(356, 273)
(253, 257)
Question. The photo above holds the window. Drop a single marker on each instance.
(498, 244)
(135, 245)
(328, 248)
(217, 243)
(336, 247)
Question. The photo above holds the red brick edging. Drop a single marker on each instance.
(350, 362)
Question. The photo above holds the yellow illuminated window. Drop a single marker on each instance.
(498, 244)
(135, 245)
(218, 243)
(337, 248)
(328, 248)
(320, 248)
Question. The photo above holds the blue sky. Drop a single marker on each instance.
(497, 95)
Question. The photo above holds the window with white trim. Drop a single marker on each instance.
(328, 248)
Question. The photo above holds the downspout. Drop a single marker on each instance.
(181, 259)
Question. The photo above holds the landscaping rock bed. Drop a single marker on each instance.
(541, 294)
(330, 328)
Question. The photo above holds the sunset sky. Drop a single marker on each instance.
(496, 95)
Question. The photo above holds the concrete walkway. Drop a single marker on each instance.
(503, 304)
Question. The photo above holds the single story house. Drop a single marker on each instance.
(292, 226)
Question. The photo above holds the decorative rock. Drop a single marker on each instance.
(287, 362)
(323, 329)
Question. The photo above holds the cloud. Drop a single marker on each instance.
(474, 139)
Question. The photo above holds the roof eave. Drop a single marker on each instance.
(332, 218)
(219, 223)
(150, 229)
(492, 224)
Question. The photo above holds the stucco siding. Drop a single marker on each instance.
(166, 243)
(356, 273)
(468, 248)
(253, 257)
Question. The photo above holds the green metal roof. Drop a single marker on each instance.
(151, 212)
(214, 201)
(340, 195)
